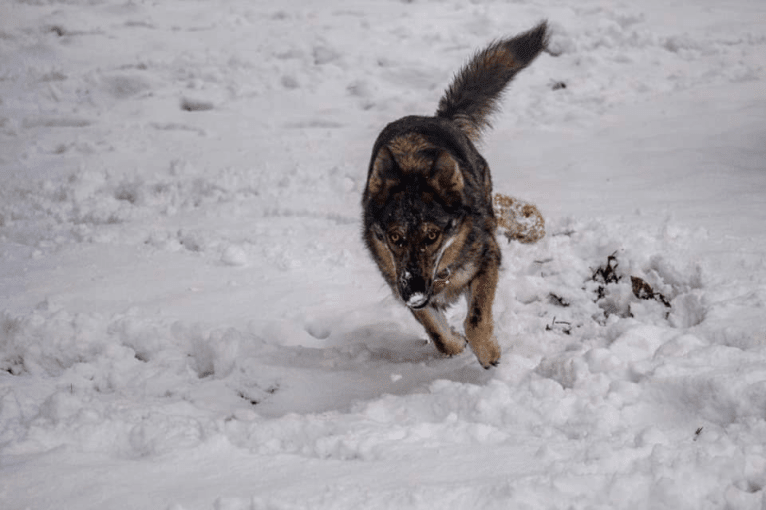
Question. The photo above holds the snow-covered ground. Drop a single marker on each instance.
(188, 319)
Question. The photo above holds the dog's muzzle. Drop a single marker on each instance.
(413, 290)
(417, 301)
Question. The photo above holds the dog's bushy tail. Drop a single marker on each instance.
(477, 88)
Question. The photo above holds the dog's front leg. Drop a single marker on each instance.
(479, 326)
(446, 340)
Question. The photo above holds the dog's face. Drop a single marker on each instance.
(416, 228)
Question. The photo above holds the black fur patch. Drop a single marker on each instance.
(438, 342)
(475, 317)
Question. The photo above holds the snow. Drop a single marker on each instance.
(189, 319)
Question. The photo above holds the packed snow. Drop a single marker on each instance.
(189, 319)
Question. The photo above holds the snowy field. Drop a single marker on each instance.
(188, 319)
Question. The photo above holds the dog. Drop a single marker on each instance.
(428, 219)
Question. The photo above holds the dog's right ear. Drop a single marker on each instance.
(381, 173)
(446, 175)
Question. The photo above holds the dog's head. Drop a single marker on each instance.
(415, 219)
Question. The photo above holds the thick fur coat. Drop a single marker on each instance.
(428, 216)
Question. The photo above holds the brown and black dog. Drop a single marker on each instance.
(428, 216)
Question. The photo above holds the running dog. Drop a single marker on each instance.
(428, 217)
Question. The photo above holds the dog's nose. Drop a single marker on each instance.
(413, 290)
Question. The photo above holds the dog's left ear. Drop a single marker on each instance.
(446, 176)
(381, 173)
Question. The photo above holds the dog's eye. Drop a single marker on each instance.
(395, 238)
(431, 236)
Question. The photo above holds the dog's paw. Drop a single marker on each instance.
(451, 345)
(491, 364)
(487, 352)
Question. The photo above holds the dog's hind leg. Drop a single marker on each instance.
(479, 325)
(446, 340)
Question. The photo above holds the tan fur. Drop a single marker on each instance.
(377, 182)
(385, 259)
(446, 339)
(455, 283)
(408, 152)
(468, 126)
(447, 174)
(478, 284)
(478, 324)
